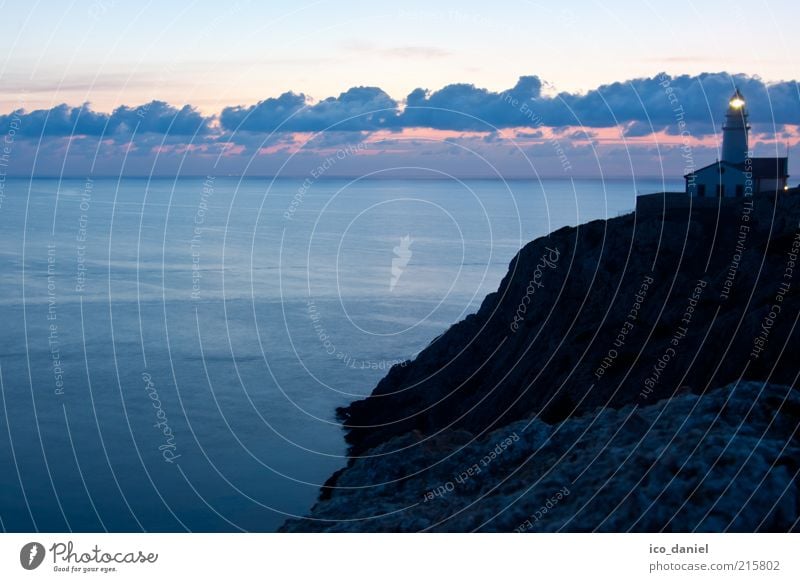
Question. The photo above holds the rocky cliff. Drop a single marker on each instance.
(723, 461)
(602, 356)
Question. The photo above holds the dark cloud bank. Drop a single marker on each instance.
(157, 130)
(63, 120)
(639, 104)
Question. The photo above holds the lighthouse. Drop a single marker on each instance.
(737, 174)
(734, 132)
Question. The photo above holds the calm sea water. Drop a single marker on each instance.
(172, 352)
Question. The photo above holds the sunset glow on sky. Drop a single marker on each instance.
(218, 58)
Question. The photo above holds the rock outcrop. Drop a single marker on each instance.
(724, 461)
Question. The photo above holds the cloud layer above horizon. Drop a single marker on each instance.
(637, 108)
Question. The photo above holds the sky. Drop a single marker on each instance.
(219, 77)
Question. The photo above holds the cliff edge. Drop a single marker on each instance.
(617, 354)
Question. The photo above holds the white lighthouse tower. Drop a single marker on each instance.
(737, 174)
(734, 132)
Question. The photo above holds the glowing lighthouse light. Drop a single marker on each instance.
(737, 102)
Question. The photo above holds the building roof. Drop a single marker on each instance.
(769, 167)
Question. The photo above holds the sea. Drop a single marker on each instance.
(173, 350)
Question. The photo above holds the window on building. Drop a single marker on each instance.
(739, 190)
(701, 189)
(720, 190)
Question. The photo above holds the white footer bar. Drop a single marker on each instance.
(402, 557)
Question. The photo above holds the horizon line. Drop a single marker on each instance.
(371, 177)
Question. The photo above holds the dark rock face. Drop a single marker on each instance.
(591, 322)
(482, 373)
(724, 461)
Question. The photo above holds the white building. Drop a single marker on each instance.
(738, 174)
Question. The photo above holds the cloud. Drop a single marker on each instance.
(63, 120)
(467, 107)
(357, 109)
(660, 100)
(663, 100)
(158, 117)
(133, 138)
(538, 134)
(638, 106)
(265, 116)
